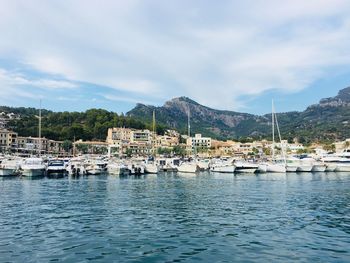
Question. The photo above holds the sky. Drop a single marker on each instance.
(231, 55)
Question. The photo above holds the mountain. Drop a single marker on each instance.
(326, 121)
(210, 122)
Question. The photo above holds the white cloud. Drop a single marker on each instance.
(9, 80)
(211, 52)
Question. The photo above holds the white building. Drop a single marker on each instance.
(198, 142)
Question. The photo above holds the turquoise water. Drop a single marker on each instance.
(176, 218)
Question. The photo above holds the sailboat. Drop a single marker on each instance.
(152, 167)
(188, 167)
(33, 167)
(276, 166)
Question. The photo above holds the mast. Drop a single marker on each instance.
(273, 131)
(188, 123)
(189, 130)
(154, 131)
(279, 135)
(40, 129)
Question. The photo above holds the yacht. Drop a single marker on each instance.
(151, 168)
(245, 167)
(188, 167)
(117, 169)
(318, 167)
(203, 164)
(343, 163)
(76, 167)
(33, 167)
(56, 168)
(305, 164)
(93, 169)
(168, 164)
(275, 167)
(223, 167)
(331, 162)
(292, 164)
(136, 168)
(9, 167)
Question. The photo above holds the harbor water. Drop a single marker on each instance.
(177, 218)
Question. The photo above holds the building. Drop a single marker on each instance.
(36, 144)
(118, 135)
(170, 139)
(92, 147)
(144, 136)
(198, 142)
(8, 139)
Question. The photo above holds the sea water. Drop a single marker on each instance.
(173, 217)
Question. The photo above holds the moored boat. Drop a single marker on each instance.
(33, 167)
(245, 167)
(56, 168)
(188, 167)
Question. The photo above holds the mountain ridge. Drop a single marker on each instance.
(326, 120)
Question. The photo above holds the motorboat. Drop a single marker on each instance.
(246, 167)
(56, 168)
(136, 168)
(305, 164)
(188, 167)
(203, 164)
(117, 169)
(223, 167)
(151, 168)
(9, 167)
(275, 167)
(33, 167)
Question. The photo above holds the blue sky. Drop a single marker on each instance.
(234, 55)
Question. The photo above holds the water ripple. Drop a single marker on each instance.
(176, 218)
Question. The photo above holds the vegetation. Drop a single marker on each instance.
(89, 125)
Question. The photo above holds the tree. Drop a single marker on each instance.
(179, 150)
(67, 145)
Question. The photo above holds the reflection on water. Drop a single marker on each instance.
(175, 217)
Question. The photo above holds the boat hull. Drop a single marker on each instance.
(151, 169)
(291, 169)
(7, 171)
(342, 168)
(304, 168)
(33, 172)
(330, 167)
(318, 168)
(275, 168)
(248, 170)
(223, 169)
(188, 168)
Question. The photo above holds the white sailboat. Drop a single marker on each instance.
(274, 166)
(34, 167)
(151, 167)
(188, 167)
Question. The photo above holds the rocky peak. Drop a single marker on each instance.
(342, 99)
(182, 104)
